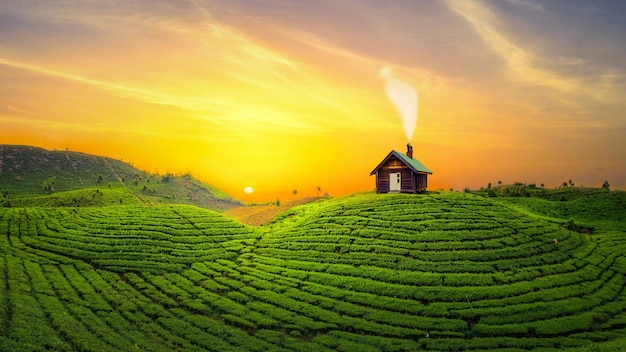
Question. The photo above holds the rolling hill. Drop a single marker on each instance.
(437, 272)
(31, 176)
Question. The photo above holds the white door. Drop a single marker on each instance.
(395, 182)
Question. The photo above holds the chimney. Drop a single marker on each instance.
(409, 150)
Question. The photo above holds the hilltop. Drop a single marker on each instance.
(31, 176)
(441, 271)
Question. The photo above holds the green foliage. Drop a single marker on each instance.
(88, 197)
(586, 207)
(30, 174)
(439, 271)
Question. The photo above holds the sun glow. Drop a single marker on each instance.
(237, 95)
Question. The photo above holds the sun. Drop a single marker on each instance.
(248, 190)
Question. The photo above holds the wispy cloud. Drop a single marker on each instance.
(16, 110)
(221, 110)
(124, 90)
(575, 83)
(521, 63)
(526, 4)
(262, 73)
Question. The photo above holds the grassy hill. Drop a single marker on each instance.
(31, 176)
(595, 208)
(437, 272)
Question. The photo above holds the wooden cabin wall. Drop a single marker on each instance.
(421, 182)
(407, 180)
(382, 181)
(411, 182)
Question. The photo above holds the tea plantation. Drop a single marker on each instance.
(436, 272)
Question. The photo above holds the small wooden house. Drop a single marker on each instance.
(401, 173)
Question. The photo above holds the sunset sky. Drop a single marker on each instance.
(282, 95)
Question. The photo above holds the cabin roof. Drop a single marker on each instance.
(412, 163)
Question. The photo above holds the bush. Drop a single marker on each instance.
(563, 325)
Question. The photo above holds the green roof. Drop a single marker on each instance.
(413, 163)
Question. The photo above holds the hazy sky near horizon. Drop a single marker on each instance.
(282, 95)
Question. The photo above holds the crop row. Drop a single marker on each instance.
(256, 301)
(555, 267)
(50, 233)
(82, 309)
(165, 278)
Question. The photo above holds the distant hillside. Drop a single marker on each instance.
(29, 175)
(597, 206)
(592, 208)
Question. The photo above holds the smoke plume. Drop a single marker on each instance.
(404, 98)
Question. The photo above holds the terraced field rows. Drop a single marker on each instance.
(456, 259)
(367, 272)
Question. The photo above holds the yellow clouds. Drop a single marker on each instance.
(119, 89)
(187, 94)
(275, 94)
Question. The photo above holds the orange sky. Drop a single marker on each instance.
(286, 95)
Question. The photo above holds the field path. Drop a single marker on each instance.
(121, 180)
(257, 215)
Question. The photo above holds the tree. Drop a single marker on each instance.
(606, 185)
(499, 182)
(489, 185)
(572, 226)
(277, 201)
(100, 179)
(523, 191)
(319, 189)
(295, 191)
(48, 185)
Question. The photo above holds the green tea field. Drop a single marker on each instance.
(434, 272)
